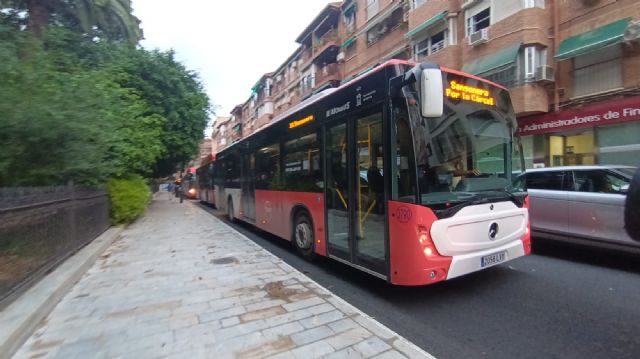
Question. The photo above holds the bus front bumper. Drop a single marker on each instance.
(469, 263)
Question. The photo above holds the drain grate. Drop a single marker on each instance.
(224, 260)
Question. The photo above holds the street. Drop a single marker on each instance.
(561, 302)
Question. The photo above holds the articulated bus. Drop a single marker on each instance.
(404, 172)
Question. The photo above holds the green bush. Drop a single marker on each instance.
(129, 198)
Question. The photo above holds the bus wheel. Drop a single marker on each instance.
(230, 210)
(303, 237)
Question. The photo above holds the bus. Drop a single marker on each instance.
(204, 181)
(404, 172)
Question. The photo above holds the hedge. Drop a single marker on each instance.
(129, 198)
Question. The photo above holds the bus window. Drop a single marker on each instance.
(302, 164)
(405, 186)
(268, 168)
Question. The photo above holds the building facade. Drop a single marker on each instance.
(572, 66)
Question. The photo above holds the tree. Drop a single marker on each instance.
(172, 92)
(112, 19)
(65, 119)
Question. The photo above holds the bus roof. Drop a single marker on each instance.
(324, 93)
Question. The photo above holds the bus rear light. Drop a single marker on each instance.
(428, 251)
(423, 239)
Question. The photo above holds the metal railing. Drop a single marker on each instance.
(40, 227)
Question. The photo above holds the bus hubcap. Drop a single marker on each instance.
(304, 237)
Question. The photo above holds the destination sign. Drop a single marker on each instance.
(469, 93)
(297, 123)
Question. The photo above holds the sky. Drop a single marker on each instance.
(231, 44)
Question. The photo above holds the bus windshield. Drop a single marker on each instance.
(470, 153)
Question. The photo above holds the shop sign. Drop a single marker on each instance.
(599, 114)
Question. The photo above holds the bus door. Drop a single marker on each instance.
(355, 195)
(248, 187)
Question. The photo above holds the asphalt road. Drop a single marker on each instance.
(561, 302)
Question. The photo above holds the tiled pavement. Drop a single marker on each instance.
(180, 283)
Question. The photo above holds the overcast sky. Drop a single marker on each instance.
(229, 43)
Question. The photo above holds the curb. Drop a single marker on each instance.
(411, 350)
(19, 320)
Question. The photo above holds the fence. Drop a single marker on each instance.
(40, 227)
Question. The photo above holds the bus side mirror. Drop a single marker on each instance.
(432, 96)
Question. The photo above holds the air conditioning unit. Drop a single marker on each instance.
(632, 32)
(479, 37)
(340, 56)
(468, 3)
(544, 74)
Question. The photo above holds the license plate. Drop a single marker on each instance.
(492, 259)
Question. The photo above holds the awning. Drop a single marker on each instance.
(499, 59)
(596, 39)
(348, 42)
(425, 25)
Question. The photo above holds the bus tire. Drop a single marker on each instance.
(230, 214)
(303, 236)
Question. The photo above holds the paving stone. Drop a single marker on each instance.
(313, 350)
(303, 304)
(371, 346)
(348, 338)
(321, 319)
(312, 335)
(349, 353)
(390, 354)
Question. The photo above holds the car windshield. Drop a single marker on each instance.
(626, 171)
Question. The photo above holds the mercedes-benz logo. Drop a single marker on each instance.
(493, 230)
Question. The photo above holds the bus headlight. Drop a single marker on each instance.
(192, 191)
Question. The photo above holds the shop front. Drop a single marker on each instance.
(601, 133)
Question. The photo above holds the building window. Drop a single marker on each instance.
(418, 3)
(479, 21)
(431, 45)
(349, 19)
(598, 71)
(350, 51)
(384, 27)
(530, 59)
(372, 8)
(506, 76)
(527, 4)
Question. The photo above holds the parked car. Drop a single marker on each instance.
(580, 204)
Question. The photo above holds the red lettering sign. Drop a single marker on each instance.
(599, 114)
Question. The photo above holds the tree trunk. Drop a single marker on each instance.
(38, 17)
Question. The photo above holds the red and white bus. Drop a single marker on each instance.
(204, 181)
(403, 172)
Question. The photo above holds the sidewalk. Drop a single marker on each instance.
(180, 283)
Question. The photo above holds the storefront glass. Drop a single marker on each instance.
(619, 144)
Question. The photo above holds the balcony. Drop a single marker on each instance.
(329, 72)
(330, 38)
(305, 58)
